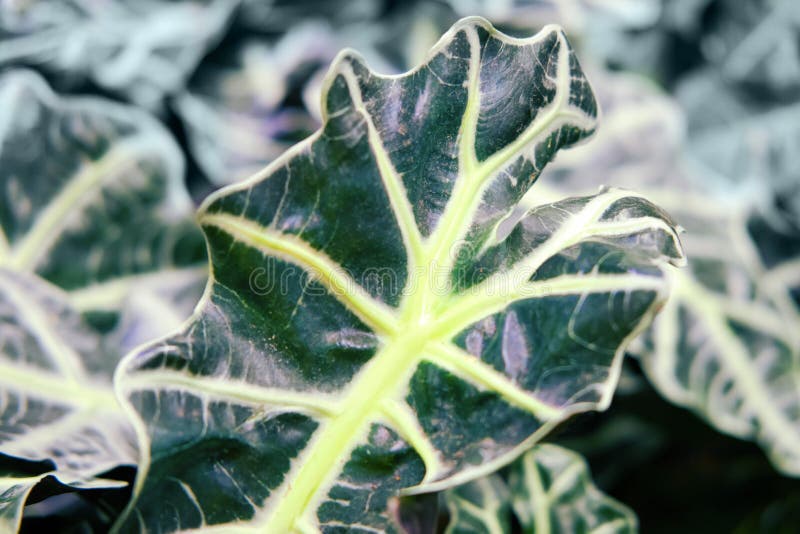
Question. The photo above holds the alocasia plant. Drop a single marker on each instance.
(367, 330)
(727, 342)
(549, 490)
(97, 254)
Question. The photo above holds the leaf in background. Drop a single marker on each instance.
(480, 506)
(755, 44)
(55, 383)
(145, 49)
(404, 343)
(277, 15)
(14, 490)
(549, 490)
(240, 110)
(575, 15)
(552, 491)
(235, 110)
(727, 343)
(92, 198)
(743, 148)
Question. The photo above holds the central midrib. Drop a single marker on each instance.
(391, 366)
(383, 377)
(386, 372)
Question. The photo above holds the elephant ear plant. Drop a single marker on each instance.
(727, 343)
(97, 254)
(371, 327)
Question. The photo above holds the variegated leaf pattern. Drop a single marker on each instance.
(552, 492)
(482, 506)
(727, 343)
(368, 329)
(14, 490)
(56, 395)
(549, 491)
(91, 200)
(91, 197)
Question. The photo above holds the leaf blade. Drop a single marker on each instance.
(334, 194)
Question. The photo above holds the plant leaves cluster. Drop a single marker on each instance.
(408, 299)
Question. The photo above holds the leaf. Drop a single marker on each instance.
(483, 505)
(552, 491)
(91, 197)
(55, 383)
(549, 490)
(145, 49)
(14, 490)
(367, 330)
(727, 343)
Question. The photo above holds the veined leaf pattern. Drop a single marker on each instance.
(549, 490)
(105, 212)
(483, 505)
(727, 343)
(308, 404)
(98, 254)
(56, 395)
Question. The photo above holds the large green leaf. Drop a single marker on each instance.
(727, 343)
(550, 490)
(367, 328)
(14, 490)
(91, 200)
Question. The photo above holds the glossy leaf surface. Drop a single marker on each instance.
(368, 329)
